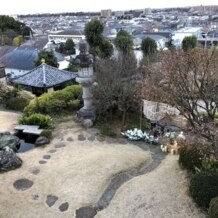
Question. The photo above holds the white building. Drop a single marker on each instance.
(179, 35)
(106, 13)
(63, 36)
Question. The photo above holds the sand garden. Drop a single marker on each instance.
(81, 173)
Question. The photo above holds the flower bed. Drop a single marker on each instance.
(137, 134)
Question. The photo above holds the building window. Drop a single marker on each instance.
(85, 72)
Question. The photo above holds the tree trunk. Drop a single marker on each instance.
(123, 119)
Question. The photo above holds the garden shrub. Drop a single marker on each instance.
(74, 104)
(192, 155)
(7, 92)
(56, 102)
(213, 209)
(14, 98)
(47, 133)
(17, 103)
(204, 187)
(41, 120)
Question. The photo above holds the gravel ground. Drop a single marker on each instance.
(162, 193)
(75, 174)
(8, 120)
(79, 168)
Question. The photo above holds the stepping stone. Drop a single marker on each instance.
(59, 145)
(91, 138)
(42, 162)
(86, 212)
(63, 207)
(110, 140)
(69, 139)
(81, 137)
(22, 184)
(35, 197)
(35, 171)
(52, 151)
(100, 138)
(46, 157)
(51, 199)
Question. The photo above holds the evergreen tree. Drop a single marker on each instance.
(70, 47)
(99, 46)
(149, 46)
(124, 42)
(189, 42)
(49, 58)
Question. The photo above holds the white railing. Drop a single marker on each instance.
(156, 111)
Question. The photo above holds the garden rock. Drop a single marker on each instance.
(87, 123)
(63, 207)
(85, 212)
(42, 140)
(5, 133)
(51, 199)
(9, 160)
(23, 184)
(10, 141)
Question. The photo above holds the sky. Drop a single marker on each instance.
(10, 7)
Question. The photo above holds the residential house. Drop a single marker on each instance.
(19, 61)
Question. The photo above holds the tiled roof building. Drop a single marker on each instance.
(45, 78)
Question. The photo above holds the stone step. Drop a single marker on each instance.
(29, 129)
(33, 131)
(22, 127)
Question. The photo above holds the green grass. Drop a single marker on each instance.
(106, 130)
(133, 121)
(113, 126)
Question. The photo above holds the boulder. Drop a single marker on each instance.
(8, 140)
(9, 160)
(41, 140)
(87, 123)
(4, 133)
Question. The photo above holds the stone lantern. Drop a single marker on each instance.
(84, 62)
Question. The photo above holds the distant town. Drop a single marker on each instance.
(109, 114)
(165, 26)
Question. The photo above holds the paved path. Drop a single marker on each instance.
(162, 192)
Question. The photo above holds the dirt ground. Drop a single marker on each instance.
(77, 173)
(8, 120)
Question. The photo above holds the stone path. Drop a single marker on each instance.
(24, 184)
(120, 179)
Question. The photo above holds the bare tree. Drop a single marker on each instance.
(189, 82)
(117, 87)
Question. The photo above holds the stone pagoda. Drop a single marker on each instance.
(84, 62)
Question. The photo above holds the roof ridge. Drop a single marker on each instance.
(43, 73)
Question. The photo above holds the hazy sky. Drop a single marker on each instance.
(42, 6)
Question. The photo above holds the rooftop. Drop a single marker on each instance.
(45, 76)
(22, 59)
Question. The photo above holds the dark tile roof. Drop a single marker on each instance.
(22, 59)
(45, 75)
(38, 42)
(6, 49)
